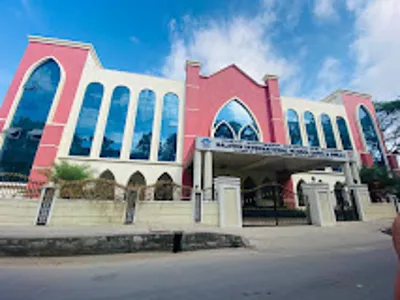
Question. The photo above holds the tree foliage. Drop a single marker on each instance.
(379, 179)
(68, 172)
(388, 113)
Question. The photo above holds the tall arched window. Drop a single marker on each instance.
(141, 142)
(164, 188)
(328, 131)
(370, 135)
(87, 121)
(23, 136)
(294, 127)
(344, 133)
(311, 129)
(169, 128)
(234, 121)
(114, 133)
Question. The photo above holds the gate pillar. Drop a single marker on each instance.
(319, 204)
(359, 194)
(230, 206)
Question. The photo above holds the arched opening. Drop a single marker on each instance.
(327, 128)
(107, 185)
(249, 195)
(344, 133)
(169, 128)
(339, 194)
(23, 136)
(136, 182)
(311, 129)
(232, 122)
(300, 194)
(294, 127)
(370, 135)
(164, 189)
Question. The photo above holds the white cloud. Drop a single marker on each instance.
(324, 9)
(376, 47)
(243, 40)
(329, 78)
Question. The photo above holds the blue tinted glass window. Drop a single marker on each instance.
(328, 131)
(237, 116)
(141, 142)
(370, 135)
(248, 134)
(169, 128)
(294, 127)
(344, 133)
(22, 138)
(311, 129)
(223, 131)
(86, 125)
(114, 133)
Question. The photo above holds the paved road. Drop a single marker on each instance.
(365, 271)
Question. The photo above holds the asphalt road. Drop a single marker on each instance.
(356, 272)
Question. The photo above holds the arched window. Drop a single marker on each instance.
(141, 142)
(300, 194)
(86, 126)
(328, 131)
(248, 133)
(23, 136)
(370, 135)
(232, 123)
(164, 188)
(169, 128)
(311, 129)
(294, 127)
(114, 133)
(224, 131)
(344, 133)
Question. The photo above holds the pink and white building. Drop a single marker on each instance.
(62, 105)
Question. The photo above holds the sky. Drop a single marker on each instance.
(315, 46)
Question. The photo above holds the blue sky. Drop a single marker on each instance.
(315, 46)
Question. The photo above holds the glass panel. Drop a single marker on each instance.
(294, 127)
(169, 128)
(224, 132)
(86, 126)
(23, 136)
(311, 128)
(114, 133)
(236, 115)
(344, 133)
(141, 142)
(328, 131)
(248, 134)
(370, 135)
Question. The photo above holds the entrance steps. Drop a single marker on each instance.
(376, 211)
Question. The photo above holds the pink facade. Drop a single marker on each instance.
(72, 61)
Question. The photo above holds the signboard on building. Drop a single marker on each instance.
(269, 149)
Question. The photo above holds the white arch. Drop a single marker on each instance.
(20, 91)
(235, 98)
(223, 122)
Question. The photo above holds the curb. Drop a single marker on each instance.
(124, 243)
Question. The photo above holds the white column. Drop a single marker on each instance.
(355, 172)
(208, 175)
(197, 169)
(348, 174)
(102, 118)
(155, 137)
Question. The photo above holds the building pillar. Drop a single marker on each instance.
(197, 169)
(208, 175)
(348, 174)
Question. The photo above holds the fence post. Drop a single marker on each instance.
(197, 205)
(45, 207)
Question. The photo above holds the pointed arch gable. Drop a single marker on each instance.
(222, 124)
(136, 179)
(249, 133)
(164, 189)
(107, 175)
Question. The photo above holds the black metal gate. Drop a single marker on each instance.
(345, 210)
(264, 206)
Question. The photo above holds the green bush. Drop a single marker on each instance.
(66, 171)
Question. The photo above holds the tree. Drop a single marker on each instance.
(380, 182)
(65, 171)
(388, 113)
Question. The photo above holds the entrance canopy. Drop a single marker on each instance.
(242, 155)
